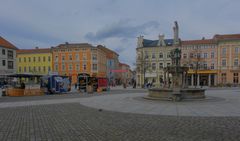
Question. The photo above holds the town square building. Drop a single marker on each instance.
(71, 59)
(7, 57)
(211, 62)
(153, 56)
(34, 61)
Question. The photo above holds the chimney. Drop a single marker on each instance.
(176, 32)
(36, 47)
(66, 43)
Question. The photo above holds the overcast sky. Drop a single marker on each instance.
(113, 23)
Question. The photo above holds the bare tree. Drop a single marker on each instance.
(193, 61)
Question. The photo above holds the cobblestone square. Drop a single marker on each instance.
(71, 121)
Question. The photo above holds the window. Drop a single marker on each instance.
(168, 55)
(63, 58)
(94, 67)
(191, 66)
(160, 55)
(10, 64)
(3, 52)
(224, 63)
(70, 67)
(224, 78)
(49, 68)
(10, 54)
(77, 57)
(25, 69)
(198, 55)
(29, 59)
(39, 59)
(19, 69)
(184, 55)
(236, 51)
(39, 69)
(191, 55)
(160, 65)
(84, 66)
(70, 56)
(4, 62)
(49, 59)
(29, 69)
(34, 59)
(235, 78)
(19, 59)
(34, 68)
(56, 58)
(235, 62)
(84, 57)
(24, 59)
(212, 54)
(78, 67)
(205, 55)
(212, 66)
(110, 62)
(44, 69)
(146, 55)
(205, 66)
(168, 64)
(153, 56)
(94, 56)
(224, 52)
(153, 66)
(44, 58)
(56, 67)
(63, 67)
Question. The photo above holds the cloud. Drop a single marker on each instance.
(121, 29)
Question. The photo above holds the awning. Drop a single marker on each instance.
(24, 75)
(202, 71)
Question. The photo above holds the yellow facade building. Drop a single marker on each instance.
(35, 61)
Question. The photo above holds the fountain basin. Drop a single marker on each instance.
(184, 93)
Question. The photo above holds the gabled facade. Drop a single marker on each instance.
(153, 56)
(7, 57)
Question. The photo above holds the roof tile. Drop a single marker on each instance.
(7, 44)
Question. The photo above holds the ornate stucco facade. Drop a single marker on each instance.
(153, 56)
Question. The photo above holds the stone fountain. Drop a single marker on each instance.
(176, 89)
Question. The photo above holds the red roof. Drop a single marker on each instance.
(122, 64)
(34, 51)
(194, 42)
(6, 44)
(108, 51)
(227, 37)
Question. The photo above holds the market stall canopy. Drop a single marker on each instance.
(24, 75)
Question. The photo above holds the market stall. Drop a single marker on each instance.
(25, 85)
